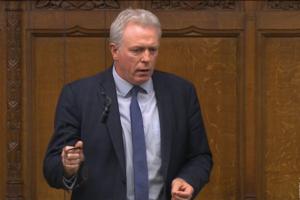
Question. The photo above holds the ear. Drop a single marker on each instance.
(114, 51)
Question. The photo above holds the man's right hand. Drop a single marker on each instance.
(72, 157)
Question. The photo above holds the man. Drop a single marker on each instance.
(130, 132)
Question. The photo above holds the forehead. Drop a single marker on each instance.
(135, 32)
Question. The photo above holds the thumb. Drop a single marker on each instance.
(175, 187)
(79, 144)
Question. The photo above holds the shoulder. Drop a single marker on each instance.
(171, 80)
(88, 83)
(83, 82)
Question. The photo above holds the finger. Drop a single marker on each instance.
(68, 148)
(179, 198)
(72, 161)
(178, 194)
(79, 144)
(74, 150)
(175, 188)
(72, 155)
(182, 194)
(181, 189)
(65, 150)
(185, 192)
(71, 166)
(189, 190)
(77, 148)
(175, 197)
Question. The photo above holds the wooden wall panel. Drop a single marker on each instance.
(243, 57)
(61, 47)
(212, 65)
(278, 31)
(65, 45)
(2, 103)
(54, 62)
(280, 115)
(248, 123)
(85, 56)
(47, 80)
(14, 105)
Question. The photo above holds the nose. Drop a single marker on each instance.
(146, 56)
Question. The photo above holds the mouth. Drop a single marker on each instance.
(142, 75)
(143, 71)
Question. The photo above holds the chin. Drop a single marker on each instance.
(141, 80)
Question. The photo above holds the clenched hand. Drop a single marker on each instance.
(72, 157)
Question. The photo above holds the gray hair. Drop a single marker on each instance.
(138, 16)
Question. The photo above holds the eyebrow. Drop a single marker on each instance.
(144, 46)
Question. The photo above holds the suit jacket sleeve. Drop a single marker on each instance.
(67, 132)
(198, 164)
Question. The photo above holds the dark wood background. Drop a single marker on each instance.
(243, 57)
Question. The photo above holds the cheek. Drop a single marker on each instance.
(129, 63)
(132, 63)
(127, 58)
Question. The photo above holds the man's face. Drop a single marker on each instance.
(136, 56)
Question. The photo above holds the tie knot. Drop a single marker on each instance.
(136, 89)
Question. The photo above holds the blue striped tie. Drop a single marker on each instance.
(141, 186)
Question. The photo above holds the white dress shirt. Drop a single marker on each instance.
(148, 106)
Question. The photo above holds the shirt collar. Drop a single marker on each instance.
(123, 86)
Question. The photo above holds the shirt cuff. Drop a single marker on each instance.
(69, 183)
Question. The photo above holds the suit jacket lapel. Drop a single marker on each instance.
(164, 100)
(113, 122)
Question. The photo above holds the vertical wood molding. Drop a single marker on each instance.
(278, 84)
(206, 28)
(249, 159)
(3, 147)
(14, 102)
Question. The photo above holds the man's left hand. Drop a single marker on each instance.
(181, 190)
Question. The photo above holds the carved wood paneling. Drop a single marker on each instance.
(248, 118)
(76, 5)
(193, 31)
(280, 115)
(195, 5)
(211, 63)
(282, 5)
(76, 31)
(3, 107)
(71, 54)
(215, 50)
(14, 104)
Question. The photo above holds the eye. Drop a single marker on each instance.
(152, 50)
(137, 50)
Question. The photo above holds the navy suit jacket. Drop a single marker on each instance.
(185, 151)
